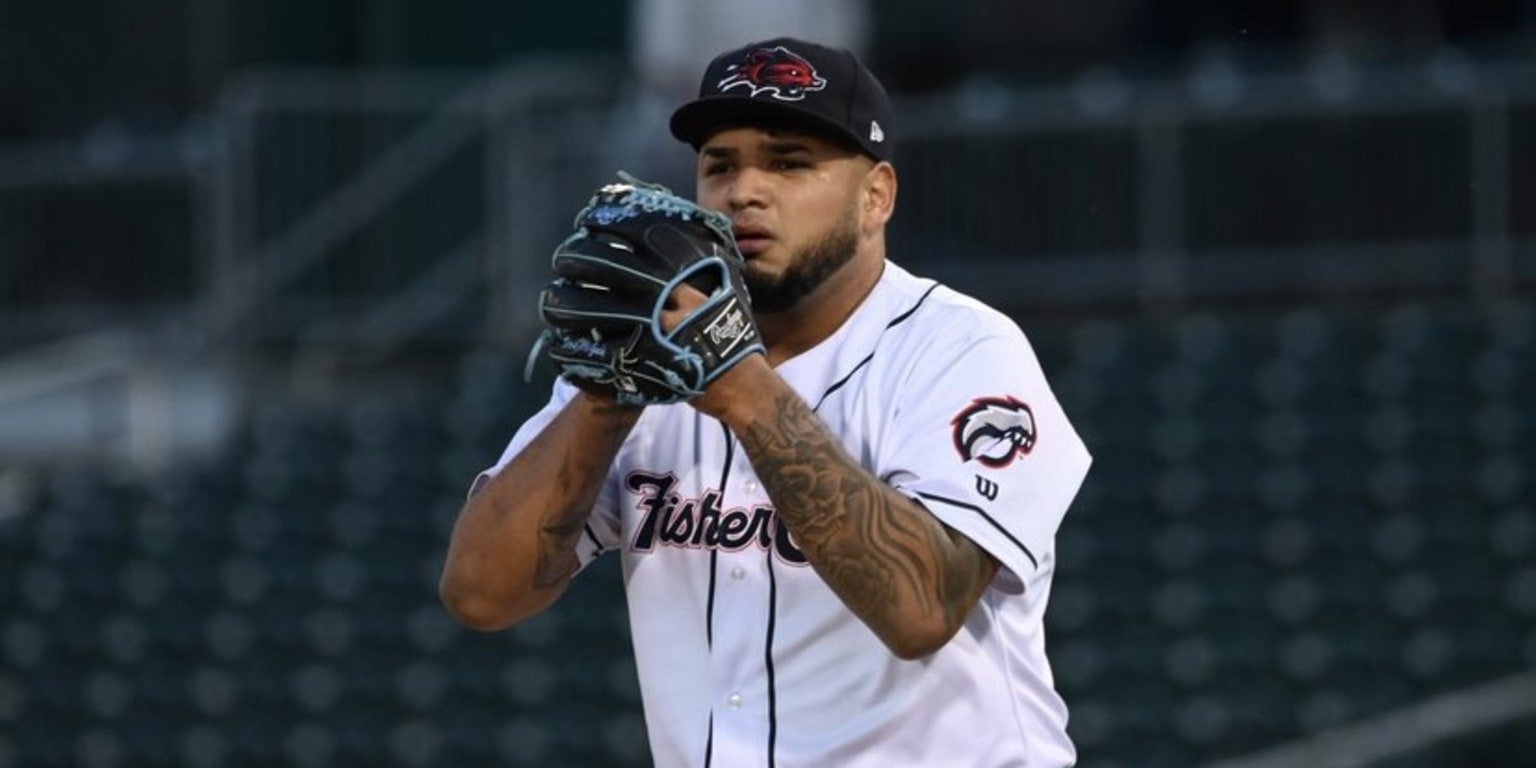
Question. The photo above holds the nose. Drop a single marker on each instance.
(749, 188)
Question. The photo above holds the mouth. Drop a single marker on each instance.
(752, 240)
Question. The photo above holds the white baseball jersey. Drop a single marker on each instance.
(746, 658)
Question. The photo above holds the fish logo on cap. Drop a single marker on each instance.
(777, 72)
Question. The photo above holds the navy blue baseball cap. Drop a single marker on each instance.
(794, 84)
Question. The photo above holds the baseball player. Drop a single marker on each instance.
(834, 485)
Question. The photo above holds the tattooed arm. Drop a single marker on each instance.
(905, 574)
(513, 547)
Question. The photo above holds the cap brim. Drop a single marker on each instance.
(697, 120)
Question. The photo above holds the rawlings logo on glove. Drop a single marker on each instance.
(635, 243)
(729, 328)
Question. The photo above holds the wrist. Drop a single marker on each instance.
(736, 394)
(603, 406)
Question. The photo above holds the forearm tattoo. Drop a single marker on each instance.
(556, 559)
(577, 481)
(873, 546)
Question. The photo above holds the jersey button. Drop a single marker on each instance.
(738, 573)
(734, 700)
(751, 486)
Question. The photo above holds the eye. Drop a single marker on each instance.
(715, 168)
(790, 164)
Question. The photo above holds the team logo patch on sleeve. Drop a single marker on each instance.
(994, 431)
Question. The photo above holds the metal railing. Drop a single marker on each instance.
(294, 202)
(1412, 729)
(1427, 173)
(335, 206)
(255, 260)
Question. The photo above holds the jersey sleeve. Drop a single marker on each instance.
(979, 439)
(603, 528)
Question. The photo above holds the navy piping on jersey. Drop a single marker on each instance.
(593, 536)
(714, 553)
(773, 697)
(988, 518)
(709, 605)
(895, 321)
(773, 586)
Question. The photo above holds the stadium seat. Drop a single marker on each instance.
(1295, 518)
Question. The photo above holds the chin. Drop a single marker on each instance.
(757, 271)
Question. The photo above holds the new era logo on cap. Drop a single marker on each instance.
(790, 83)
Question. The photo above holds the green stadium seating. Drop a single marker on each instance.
(1296, 518)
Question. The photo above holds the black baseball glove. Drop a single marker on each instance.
(634, 244)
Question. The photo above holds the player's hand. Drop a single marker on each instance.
(734, 385)
(619, 325)
(684, 300)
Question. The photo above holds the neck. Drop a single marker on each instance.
(824, 310)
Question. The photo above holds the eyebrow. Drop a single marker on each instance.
(772, 146)
(786, 146)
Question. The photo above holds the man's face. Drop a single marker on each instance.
(793, 199)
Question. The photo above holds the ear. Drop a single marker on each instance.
(878, 195)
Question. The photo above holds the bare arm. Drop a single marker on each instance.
(513, 547)
(905, 574)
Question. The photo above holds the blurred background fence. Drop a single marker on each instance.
(319, 199)
(251, 356)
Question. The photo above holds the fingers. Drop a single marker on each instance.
(682, 301)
